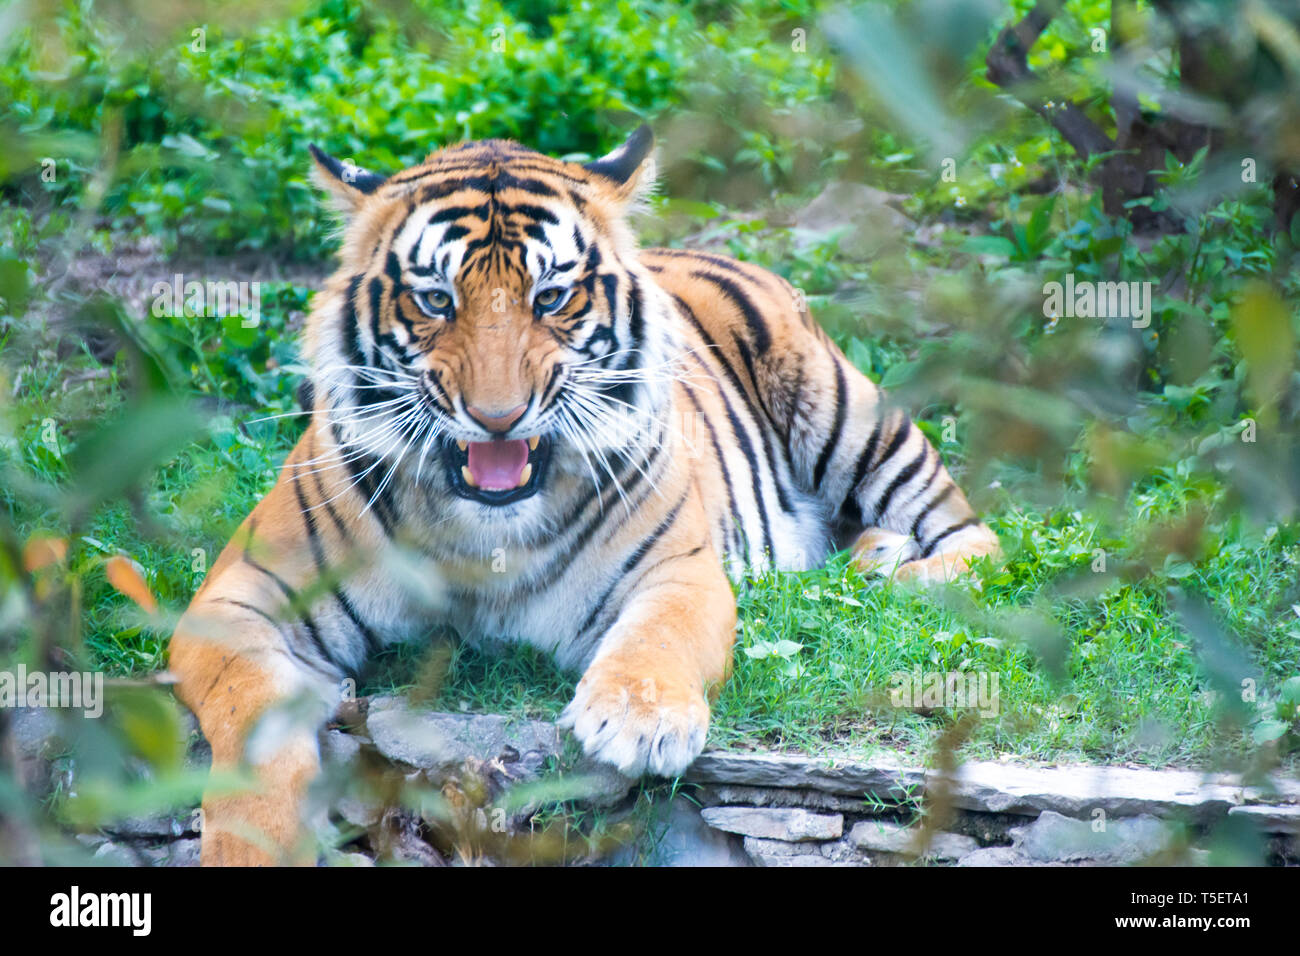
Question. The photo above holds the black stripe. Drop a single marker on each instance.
(905, 474)
(952, 529)
(339, 527)
(358, 467)
(796, 402)
(632, 561)
(376, 297)
(900, 436)
(249, 607)
(539, 213)
(925, 485)
(747, 360)
(303, 615)
(451, 213)
(393, 269)
(769, 452)
(860, 472)
(742, 393)
(829, 448)
(318, 556)
(636, 319)
(352, 328)
(486, 184)
(722, 464)
(747, 448)
(939, 499)
(752, 274)
(555, 569)
(289, 645)
(672, 557)
(896, 442)
(758, 329)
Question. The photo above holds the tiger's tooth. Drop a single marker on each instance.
(525, 475)
(462, 445)
(469, 478)
(532, 443)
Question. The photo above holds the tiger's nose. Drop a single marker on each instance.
(500, 422)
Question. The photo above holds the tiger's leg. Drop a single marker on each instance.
(234, 672)
(874, 471)
(259, 662)
(922, 528)
(642, 704)
(872, 466)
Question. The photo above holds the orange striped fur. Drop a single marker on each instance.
(523, 426)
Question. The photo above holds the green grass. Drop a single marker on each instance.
(1129, 685)
(1081, 443)
(1092, 665)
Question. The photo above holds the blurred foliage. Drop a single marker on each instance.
(218, 124)
(1144, 480)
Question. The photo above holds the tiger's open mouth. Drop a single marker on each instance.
(497, 472)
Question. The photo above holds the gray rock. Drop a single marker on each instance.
(439, 743)
(811, 859)
(726, 795)
(996, 787)
(350, 793)
(1281, 819)
(177, 853)
(340, 748)
(883, 779)
(114, 854)
(162, 826)
(684, 839)
(1054, 838)
(791, 824)
(884, 836)
(34, 732)
(1001, 856)
(33, 729)
(598, 785)
(868, 215)
(781, 853)
(359, 812)
(1120, 791)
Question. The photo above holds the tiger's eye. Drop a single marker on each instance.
(434, 303)
(548, 298)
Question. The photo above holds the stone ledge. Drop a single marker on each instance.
(992, 787)
(766, 809)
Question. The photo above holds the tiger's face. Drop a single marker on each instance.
(490, 331)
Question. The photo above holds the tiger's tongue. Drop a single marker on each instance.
(497, 465)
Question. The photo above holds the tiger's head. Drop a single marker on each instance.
(490, 330)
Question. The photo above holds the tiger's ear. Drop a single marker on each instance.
(347, 184)
(630, 169)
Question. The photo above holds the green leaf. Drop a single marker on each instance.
(1291, 691)
(1267, 731)
(988, 246)
(786, 648)
(1039, 223)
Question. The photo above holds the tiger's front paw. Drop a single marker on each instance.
(638, 723)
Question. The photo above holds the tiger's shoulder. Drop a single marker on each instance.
(723, 297)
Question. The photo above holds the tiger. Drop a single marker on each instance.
(521, 426)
